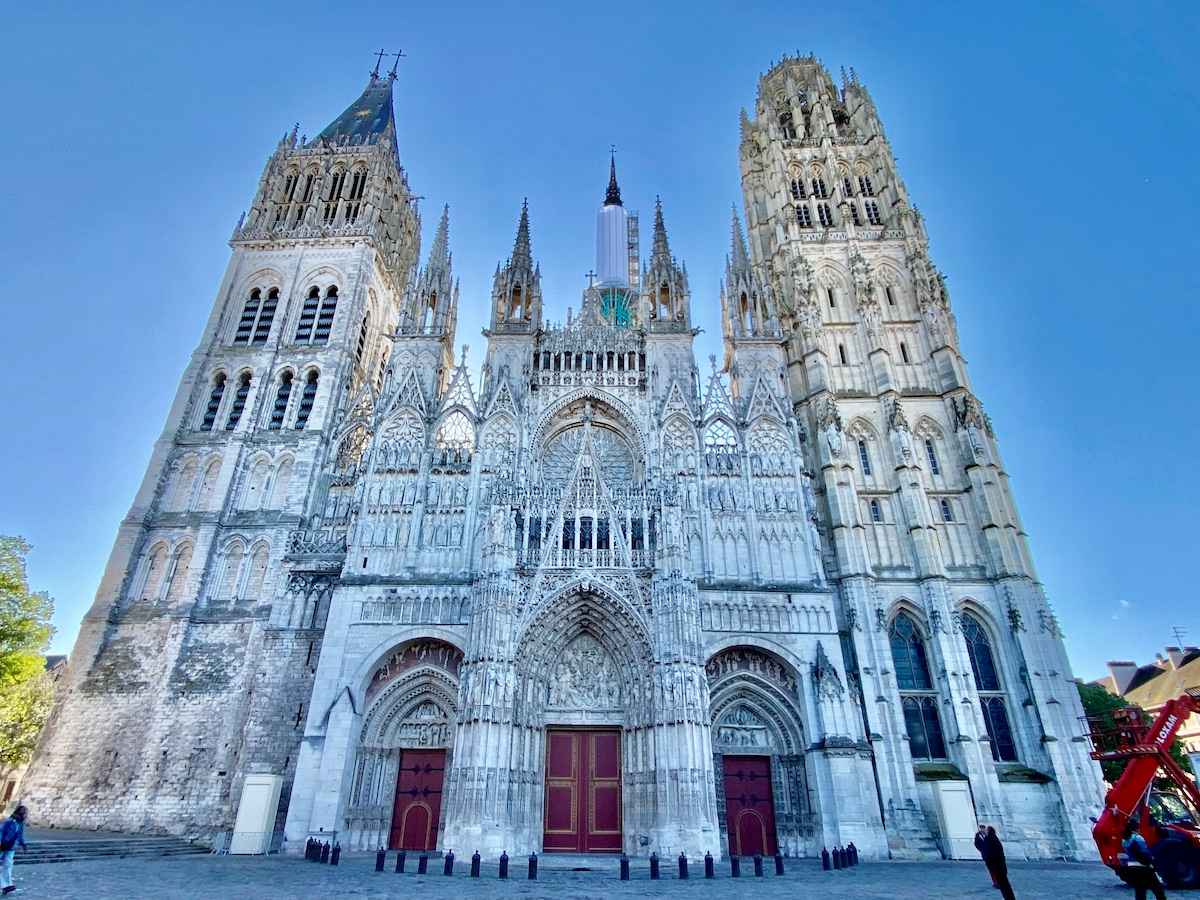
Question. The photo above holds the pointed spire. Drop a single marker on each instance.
(740, 257)
(522, 255)
(366, 118)
(613, 197)
(662, 250)
(439, 253)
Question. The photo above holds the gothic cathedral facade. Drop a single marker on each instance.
(600, 598)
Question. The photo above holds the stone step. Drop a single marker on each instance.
(52, 851)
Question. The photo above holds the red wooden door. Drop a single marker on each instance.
(583, 792)
(418, 806)
(749, 810)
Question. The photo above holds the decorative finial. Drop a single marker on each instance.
(613, 196)
(378, 61)
(463, 360)
(591, 277)
(712, 361)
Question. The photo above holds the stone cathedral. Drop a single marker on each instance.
(598, 597)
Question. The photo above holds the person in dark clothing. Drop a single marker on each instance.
(1138, 869)
(12, 832)
(979, 837)
(993, 857)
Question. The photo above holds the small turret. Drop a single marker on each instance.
(664, 284)
(432, 303)
(517, 288)
(747, 305)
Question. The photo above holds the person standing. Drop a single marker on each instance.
(12, 832)
(980, 835)
(997, 866)
(1139, 867)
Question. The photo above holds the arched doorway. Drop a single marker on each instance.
(401, 760)
(583, 671)
(758, 754)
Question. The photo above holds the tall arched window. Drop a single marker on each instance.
(308, 316)
(214, 402)
(257, 574)
(917, 696)
(282, 395)
(904, 352)
(845, 360)
(156, 568)
(987, 683)
(239, 402)
(931, 455)
(279, 486)
(325, 318)
(307, 399)
(864, 457)
(362, 339)
(876, 512)
(233, 569)
(455, 432)
(249, 317)
(262, 329)
(177, 590)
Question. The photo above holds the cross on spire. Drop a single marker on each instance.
(379, 61)
(590, 276)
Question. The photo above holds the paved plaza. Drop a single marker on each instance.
(280, 876)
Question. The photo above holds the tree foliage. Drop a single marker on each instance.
(25, 632)
(1099, 705)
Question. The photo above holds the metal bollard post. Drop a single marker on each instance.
(475, 865)
(653, 866)
(853, 853)
(380, 858)
(708, 865)
(503, 863)
(778, 863)
(735, 866)
(533, 867)
(824, 859)
(308, 849)
(335, 855)
(837, 857)
(324, 853)
(758, 870)
(683, 872)
(400, 858)
(624, 867)
(845, 858)
(422, 864)
(448, 865)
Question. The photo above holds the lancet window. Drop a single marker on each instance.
(214, 402)
(282, 395)
(239, 402)
(917, 696)
(307, 398)
(987, 683)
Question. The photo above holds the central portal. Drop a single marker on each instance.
(583, 791)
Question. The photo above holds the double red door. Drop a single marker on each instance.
(749, 810)
(583, 791)
(418, 808)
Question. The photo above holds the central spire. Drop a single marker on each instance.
(613, 197)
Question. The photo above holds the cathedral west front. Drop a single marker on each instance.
(599, 596)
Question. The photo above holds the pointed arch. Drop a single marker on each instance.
(258, 471)
(208, 484)
(280, 483)
(256, 574)
(154, 572)
(232, 556)
(180, 569)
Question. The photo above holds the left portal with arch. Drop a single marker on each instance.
(403, 751)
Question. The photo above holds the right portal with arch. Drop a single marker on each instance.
(749, 806)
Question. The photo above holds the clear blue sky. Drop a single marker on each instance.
(1051, 147)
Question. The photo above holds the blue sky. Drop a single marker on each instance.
(1051, 148)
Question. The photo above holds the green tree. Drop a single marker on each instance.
(25, 633)
(1099, 705)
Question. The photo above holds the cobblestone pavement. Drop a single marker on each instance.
(237, 877)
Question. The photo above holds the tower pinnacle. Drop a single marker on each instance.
(522, 255)
(613, 197)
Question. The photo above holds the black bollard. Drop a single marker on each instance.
(837, 858)
(308, 849)
(336, 855)
(624, 867)
(683, 873)
(653, 866)
(422, 864)
(778, 863)
(324, 853)
(448, 865)
(853, 853)
(503, 863)
(845, 858)
(401, 857)
(735, 866)
(475, 865)
(825, 859)
(758, 870)
(380, 858)
(708, 865)
(533, 867)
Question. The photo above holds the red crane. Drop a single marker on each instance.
(1168, 820)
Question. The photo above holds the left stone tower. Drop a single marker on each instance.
(194, 665)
